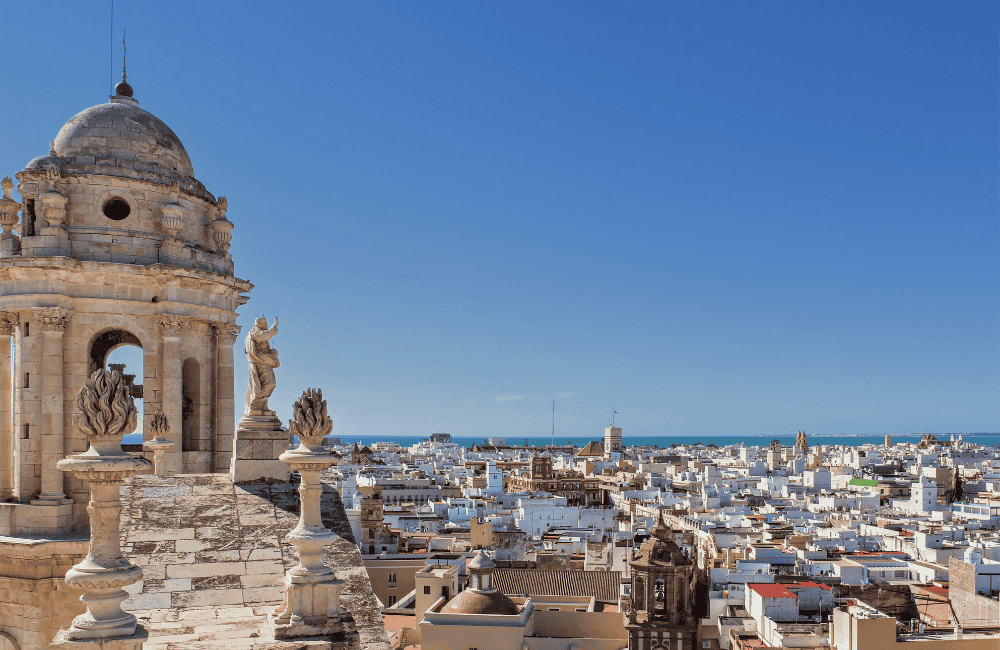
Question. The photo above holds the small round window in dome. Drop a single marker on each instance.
(116, 208)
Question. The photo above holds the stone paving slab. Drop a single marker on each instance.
(213, 557)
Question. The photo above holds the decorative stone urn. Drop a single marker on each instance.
(222, 228)
(159, 443)
(106, 412)
(311, 602)
(172, 221)
(54, 206)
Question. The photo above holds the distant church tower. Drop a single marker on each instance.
(660, 614)
(118, 244)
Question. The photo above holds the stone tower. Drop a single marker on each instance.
(661, 611)
(118, 244)
(541, 467)
(612, 441)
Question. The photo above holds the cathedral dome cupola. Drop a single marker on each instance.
(121, 134)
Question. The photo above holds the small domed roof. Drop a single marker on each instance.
(473, 601)
(481, 562)
(120, 130)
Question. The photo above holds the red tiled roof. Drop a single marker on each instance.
(939, 591)
(770, 590)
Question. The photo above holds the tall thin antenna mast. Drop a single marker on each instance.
(111, 72)
(553, 422)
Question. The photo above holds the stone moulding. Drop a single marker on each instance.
(9, 320)
(53, 319)
(173, 324)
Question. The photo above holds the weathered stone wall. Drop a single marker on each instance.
(35, 600)
(972, 609)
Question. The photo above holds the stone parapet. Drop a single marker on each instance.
(34, 598)
(38, 518)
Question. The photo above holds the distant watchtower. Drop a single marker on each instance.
(118, 244)
(612, 441)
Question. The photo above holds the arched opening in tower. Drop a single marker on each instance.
(194, 436)
(121, 350)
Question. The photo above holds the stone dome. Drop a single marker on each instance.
(474, 601)
(120, 131)
(480, 562)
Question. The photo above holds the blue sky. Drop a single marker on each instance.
(714, 218)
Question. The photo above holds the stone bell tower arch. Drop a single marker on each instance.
(117, 244)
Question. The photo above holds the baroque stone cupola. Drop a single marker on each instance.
(661, 611)
(117, 244)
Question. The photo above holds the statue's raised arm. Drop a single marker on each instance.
(263, 360)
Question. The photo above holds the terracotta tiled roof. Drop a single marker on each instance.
(602, 585)
(593, 448)
(771, 590)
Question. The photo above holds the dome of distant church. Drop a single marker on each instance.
(121, 132)
(473, 601)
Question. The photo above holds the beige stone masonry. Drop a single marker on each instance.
(184, 566)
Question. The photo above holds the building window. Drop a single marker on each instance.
(392, 581)
(392, 601)
(706, 644)
(427, 590)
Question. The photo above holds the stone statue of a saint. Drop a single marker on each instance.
(263, 360)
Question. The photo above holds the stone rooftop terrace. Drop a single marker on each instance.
(213, 555)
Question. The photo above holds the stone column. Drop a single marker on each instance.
(106, 413)
(311, 602)
(8, 323)
(53, 322)
(171, 394)
(225, 411)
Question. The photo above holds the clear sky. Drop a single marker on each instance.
(712, 217)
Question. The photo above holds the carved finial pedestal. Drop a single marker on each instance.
(159, 443)
(106, 412)
(311, 603)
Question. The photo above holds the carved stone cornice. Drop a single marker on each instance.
(9, 321)
(53, 319)
(173, 324)
(227, 332)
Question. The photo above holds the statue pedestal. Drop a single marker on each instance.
(63, 641)
(258, 442)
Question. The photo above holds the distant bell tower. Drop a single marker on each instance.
(612, 440)
(118, 244)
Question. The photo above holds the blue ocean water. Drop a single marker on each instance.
(987, 439)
